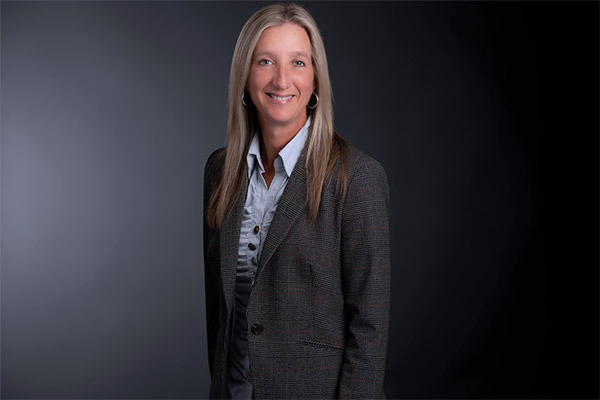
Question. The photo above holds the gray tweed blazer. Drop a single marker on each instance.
(318, 311)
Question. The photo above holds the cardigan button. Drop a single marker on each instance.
(256, 329)
(256, 228)
(251, 246)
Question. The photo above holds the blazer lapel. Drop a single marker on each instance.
(230, 242)
(288, 210)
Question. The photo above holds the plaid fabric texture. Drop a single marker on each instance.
(318, 312)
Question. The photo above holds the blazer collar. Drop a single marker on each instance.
(288, 210)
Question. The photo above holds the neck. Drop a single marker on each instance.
(275, 138)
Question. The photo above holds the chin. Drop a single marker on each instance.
(279, 119)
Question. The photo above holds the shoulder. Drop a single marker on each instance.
(360, 166)
(214, 164)
(213, 168)
(367, 190)
(215, 159)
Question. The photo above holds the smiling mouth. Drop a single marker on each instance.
(281, 98)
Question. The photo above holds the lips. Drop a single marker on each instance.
(280, 98)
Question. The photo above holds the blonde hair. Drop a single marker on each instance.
(323, 144)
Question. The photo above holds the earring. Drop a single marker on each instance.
(316, 103)
(243, 98)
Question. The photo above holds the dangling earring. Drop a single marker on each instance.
(243, 98)
(316, 103)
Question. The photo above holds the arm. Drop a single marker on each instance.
(366, 282)
(211, 282)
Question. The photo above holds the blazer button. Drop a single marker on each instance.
(251, 246)
(256, 329)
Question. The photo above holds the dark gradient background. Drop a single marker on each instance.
(484, 115)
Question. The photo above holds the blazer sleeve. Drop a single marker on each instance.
(211, 282)
(366, 282)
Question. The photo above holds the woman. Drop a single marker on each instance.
(296, 239)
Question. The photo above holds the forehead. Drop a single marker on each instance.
(283, 39)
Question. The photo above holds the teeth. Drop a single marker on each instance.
(280, 98)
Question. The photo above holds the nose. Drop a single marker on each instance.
(280, 80)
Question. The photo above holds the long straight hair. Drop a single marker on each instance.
(324, 146)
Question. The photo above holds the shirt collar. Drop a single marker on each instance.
(289, 154)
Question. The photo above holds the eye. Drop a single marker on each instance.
(299, 63)
(264, 61)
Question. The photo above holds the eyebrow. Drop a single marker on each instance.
(294, 54)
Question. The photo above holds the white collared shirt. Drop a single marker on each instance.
(261, 202)
(259, 209)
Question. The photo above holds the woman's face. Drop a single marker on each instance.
(281, 78)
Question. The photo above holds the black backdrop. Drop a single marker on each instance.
(485, 116)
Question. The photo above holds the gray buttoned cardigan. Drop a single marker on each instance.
(319, 308)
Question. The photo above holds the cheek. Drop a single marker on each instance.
(306, 84)
(310, 82)
(255, 81)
